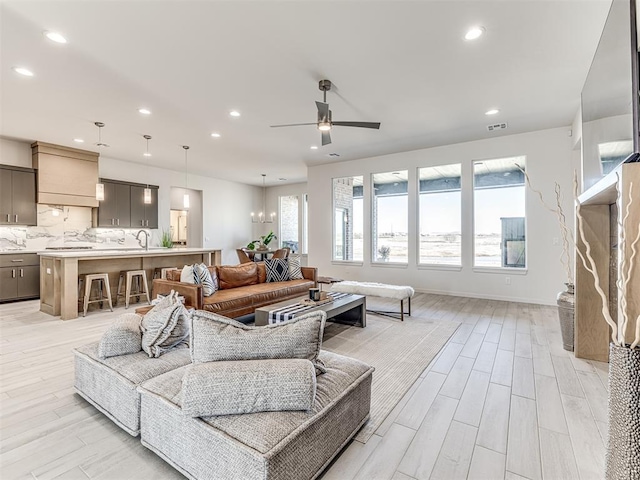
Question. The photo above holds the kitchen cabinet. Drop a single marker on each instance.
(115, 209)
(17, 196)
(19, 276)
(143, 214)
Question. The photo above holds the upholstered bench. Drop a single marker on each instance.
(110, 384)
(396, 292)
(266, 445)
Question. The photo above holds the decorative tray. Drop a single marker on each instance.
(324, 299)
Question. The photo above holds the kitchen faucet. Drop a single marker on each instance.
(146, 234)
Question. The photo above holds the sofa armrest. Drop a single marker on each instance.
(192, 294)
(310, 273)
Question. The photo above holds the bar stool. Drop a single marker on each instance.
(131, 276)
(161, 273)
(103, 283)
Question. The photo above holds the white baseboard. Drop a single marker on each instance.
(504, 298)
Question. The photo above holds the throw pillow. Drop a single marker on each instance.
(122, 337)
(215, 338)
(277, 270)
(230, 388)
(165, 327)
(187, 275)
(202, 276)
(295, 271)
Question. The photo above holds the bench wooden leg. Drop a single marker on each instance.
(399, 314)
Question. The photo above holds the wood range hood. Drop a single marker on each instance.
(66, 176)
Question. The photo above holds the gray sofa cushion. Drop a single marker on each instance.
(274, 445)
(122, 337)
(224, 388)
(165, 326)
(215, 338)
(110, 384)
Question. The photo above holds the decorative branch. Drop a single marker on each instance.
(591, 267)
(622, 279)
(567, 234)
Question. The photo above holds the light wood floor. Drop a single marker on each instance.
(502, 400)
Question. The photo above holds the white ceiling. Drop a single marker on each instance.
(402, 63)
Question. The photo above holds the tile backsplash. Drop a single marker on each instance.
(60, 226)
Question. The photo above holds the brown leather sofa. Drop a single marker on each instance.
(242, 289)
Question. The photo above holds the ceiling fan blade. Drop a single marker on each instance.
(375, 125)
(326, 138)
(323, 110)
(293, 125)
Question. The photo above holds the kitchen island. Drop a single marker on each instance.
(59, 271)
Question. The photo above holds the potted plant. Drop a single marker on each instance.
(166, 240)
(263, 242)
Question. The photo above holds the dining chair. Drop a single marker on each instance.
(242, 256)
(281, 253)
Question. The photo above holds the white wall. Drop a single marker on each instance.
(549, 156)
(17, 154)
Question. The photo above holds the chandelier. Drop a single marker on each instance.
(262, 216)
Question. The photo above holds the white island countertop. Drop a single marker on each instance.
(122, 252)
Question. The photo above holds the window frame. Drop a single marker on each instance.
(335, 260)
(373, 236)
(498, 269)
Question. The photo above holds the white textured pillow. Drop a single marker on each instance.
(122, 337)
(295, 273)
(186, 276)
(250, 386)
(165, 326)
(215, 338)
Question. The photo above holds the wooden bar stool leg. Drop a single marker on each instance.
(118, 294)
(87, 293)
(127, 290)
(146, 288)
(108, 287)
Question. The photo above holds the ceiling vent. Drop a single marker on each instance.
(333, 155)
(497, 126)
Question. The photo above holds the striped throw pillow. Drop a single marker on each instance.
(202, 276)
(294, 267)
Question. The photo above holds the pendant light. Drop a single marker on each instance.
(147, 191)
(99, 185)
(262, 216)
(185, 198)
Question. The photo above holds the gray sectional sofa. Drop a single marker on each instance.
(143, 396)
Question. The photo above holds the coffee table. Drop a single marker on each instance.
(350, 310)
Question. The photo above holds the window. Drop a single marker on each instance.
(440, 215)
(305, 224)
(499, 213)
(347, 219)
(390, 217)
(289, 222)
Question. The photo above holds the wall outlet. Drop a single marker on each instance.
(556, 241)
(108, 240)
(507, 280)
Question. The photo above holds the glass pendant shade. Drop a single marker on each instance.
(147, 196)
(100, 191)
(185, 200)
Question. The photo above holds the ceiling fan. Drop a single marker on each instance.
(325, 122)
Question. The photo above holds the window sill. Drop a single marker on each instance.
(389, 264)
(502, 270)
(435, 266)
(352, 263)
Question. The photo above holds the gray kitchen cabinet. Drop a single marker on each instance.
(114, 210)
(144, 215)
(19, 276)
(17, 196)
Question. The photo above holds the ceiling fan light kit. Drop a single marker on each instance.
(325, 122)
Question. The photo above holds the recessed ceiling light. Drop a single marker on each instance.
(314, 147)
(282, 179)
(55, 37)
(493, 111)
(146, 154)
(215, 135)
(23, 71)
(234, 113)
(78, 140)
(474, 33)
(144, 111)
